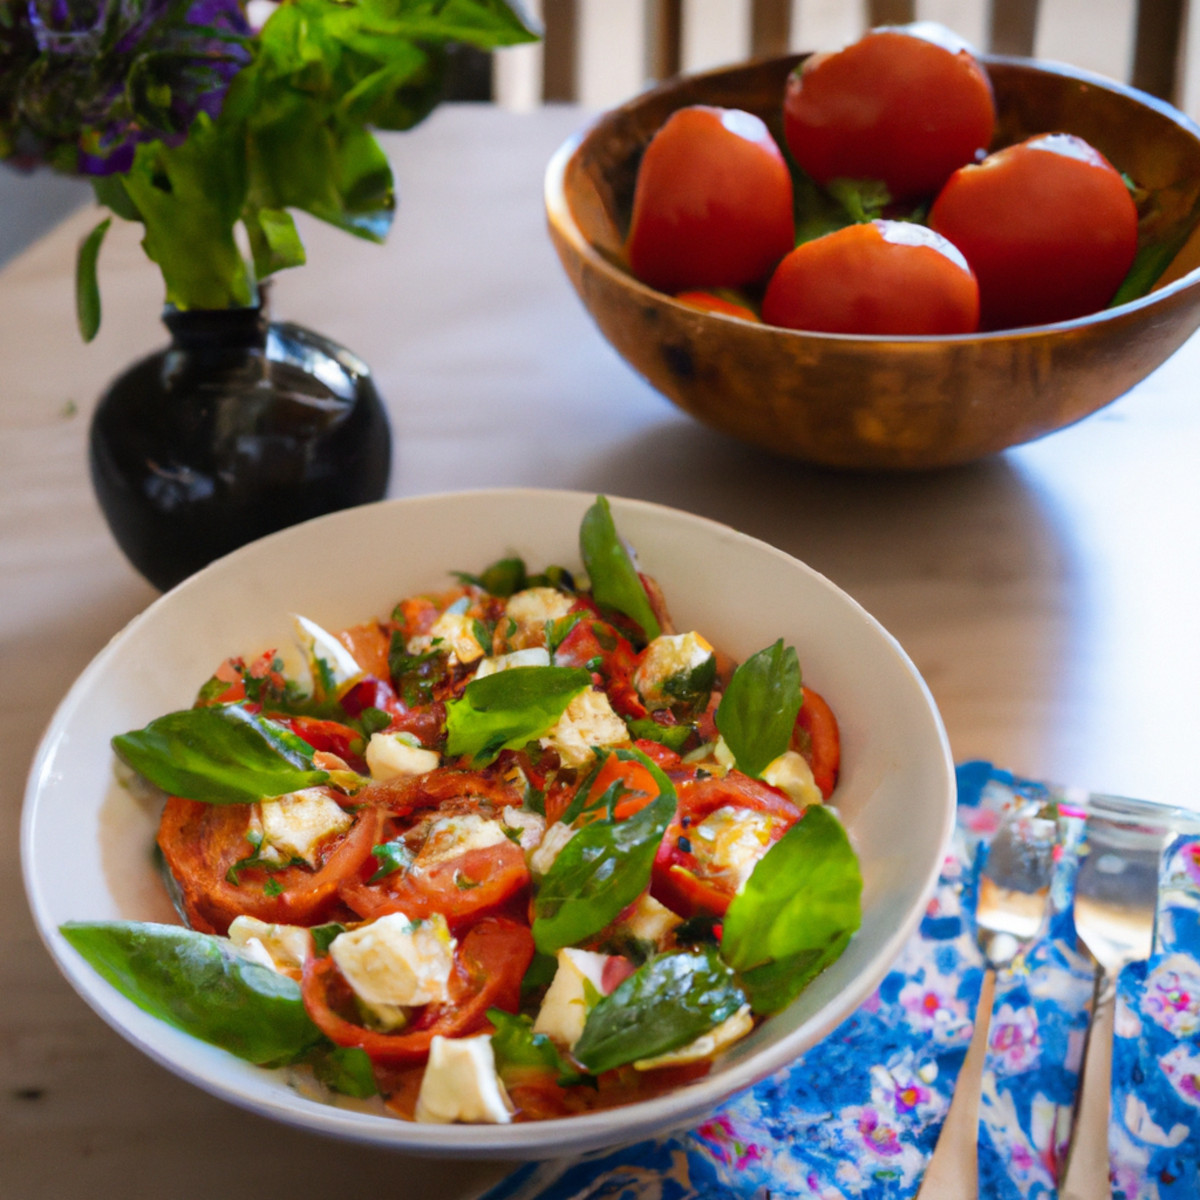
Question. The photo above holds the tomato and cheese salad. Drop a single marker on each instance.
(518, 850)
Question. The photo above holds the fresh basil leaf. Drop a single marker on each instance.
(273, 239)
(345, 1069)
(224, 754)
(602, 869)
(201, 985)
(506, 710)
(613, 577)
(558, 630)
(392, 857)
(758, 710)
(323, 935)
(87, 286)
(414, 674)
(774, 985)
(538, 976)
(671, 736)
(582, 790)
(503, 578)
(372, 720)
(516, 1046)
(666, 1003)
(796, 911)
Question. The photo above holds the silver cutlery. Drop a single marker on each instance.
(1115, 900)
(1013, 895)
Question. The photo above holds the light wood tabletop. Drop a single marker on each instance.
(1047, 595)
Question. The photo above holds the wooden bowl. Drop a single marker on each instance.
(877, 402)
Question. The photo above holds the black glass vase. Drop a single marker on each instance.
(238, 428)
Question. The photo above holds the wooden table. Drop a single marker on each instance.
(1048, 595)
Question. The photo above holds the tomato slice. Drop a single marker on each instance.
(684, 880)
(463, 790)
(463, 888)
(489, 964)
(201, 842)
(600, 647)
(331, 736)
(821, 744)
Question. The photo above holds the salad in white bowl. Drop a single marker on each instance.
(516, 850)
(407, 865)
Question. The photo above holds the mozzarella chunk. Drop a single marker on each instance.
(706, 1045)
(453, 632)
(534, 656)
(791, 773)
(668, 657)
(731, 840)
(448, 837)
(460, 1083)
(321, 646)
(394, 963)
(589, 721)
(565, 1006)
(529, 827)
(527, 614)
(394, 755)
(295, 825)
(285, 946)
(548, 849)
(648, 920)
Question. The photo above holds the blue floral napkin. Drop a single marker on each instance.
(857, 1117)
(1154, 1127)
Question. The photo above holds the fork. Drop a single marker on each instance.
(1014, 890)
(1115, 901)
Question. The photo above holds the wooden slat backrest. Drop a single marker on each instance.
(1139, 41)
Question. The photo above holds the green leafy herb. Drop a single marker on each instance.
(516, 1046)
(372, 720)
(796, 912)
(345, 1069)
(601, 870)
(87, 288)
(671, 736)
(666, 1003)
(510, 708)
(614, 578)
(503, 578)
(392, 857)
(294, 132)
(414, 674)
(323, 935)
(224, 754)
(199, 984)
(559, 630)
(539, 975)
(758, 710)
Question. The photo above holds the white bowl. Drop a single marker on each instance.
(86, 842)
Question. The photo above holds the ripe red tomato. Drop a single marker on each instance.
(894, 106)
(712, 206)
(1048, 226)
(717, 303)
(884, 277)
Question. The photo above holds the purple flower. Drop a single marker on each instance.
(88, 80)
